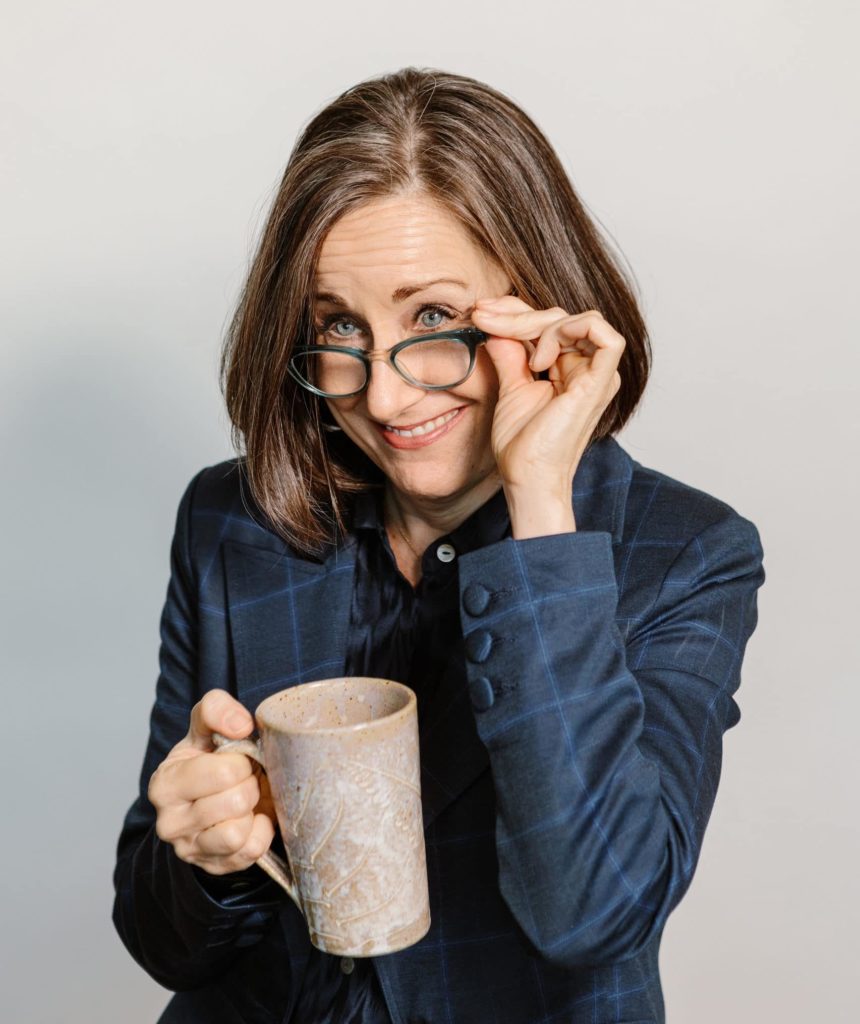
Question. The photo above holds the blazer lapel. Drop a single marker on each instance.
(288, 618)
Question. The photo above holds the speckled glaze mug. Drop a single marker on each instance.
(344, 771)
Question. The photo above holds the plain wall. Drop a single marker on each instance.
(141, 145)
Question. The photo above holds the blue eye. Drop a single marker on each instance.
(434, 311)
(329, 323)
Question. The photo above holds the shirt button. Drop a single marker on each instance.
(475, 599)
(446, 553)
(347, 964)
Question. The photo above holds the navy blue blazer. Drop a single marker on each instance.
(566, 790)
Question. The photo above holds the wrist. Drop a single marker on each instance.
(536, 512)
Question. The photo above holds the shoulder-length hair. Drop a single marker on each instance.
(414, 131)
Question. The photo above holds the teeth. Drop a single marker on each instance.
(424, 428)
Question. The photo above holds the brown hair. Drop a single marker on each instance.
(455, 140)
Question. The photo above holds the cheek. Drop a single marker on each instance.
(484, 383)
(341, 410)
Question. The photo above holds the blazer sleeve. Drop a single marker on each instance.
(181, 924)
(605, 751)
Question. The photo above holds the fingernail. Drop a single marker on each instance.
(237, 720)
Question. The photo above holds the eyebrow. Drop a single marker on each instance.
(398, 295)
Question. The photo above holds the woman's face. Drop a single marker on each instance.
(369, 260)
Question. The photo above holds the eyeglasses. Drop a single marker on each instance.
(433, 362)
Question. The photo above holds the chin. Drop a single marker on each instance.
(444, 482)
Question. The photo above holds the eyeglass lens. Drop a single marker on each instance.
(437, 362)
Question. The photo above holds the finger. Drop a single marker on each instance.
(236, 802)
(504, 303)
(592, 340)
(205, 775)
(225, 838)
(218, 711)
(510, 361)
(242, 841)
(259, 840)
(525, 325)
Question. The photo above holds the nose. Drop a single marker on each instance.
(387, 394)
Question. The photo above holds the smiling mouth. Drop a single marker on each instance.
(427, 427)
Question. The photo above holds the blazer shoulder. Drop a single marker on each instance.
(219, 507)
(220, 485)
(683, 509)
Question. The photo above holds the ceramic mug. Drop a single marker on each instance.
(343, 765)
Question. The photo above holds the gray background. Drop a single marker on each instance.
(717, 145)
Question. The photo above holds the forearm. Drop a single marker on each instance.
(582, 835)
(600, 814)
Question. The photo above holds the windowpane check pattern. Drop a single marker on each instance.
(568, 766)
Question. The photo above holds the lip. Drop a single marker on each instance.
(422, 440)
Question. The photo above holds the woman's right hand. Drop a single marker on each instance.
(209, 806)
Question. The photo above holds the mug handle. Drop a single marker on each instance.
(274, 865)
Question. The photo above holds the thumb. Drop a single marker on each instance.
(511, 360)
(218, 711)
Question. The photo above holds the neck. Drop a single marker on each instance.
(424, 520)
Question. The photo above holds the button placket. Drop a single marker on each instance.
(347, 964)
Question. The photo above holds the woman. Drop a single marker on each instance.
(452, 512)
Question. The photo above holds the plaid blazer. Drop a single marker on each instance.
(565, 791)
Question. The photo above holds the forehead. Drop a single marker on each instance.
(396, 238)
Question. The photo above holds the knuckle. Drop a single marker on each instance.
(254, 848)
(167, 827)
(235, 835)
(224, 773)
(184, 849)
(238, 802)
(155, 788)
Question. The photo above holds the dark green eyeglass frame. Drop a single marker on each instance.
(472, 337)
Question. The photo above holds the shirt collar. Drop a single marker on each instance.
(486, 525)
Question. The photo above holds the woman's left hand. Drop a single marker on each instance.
(542, 427)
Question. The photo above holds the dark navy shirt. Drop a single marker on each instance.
(411, 635)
